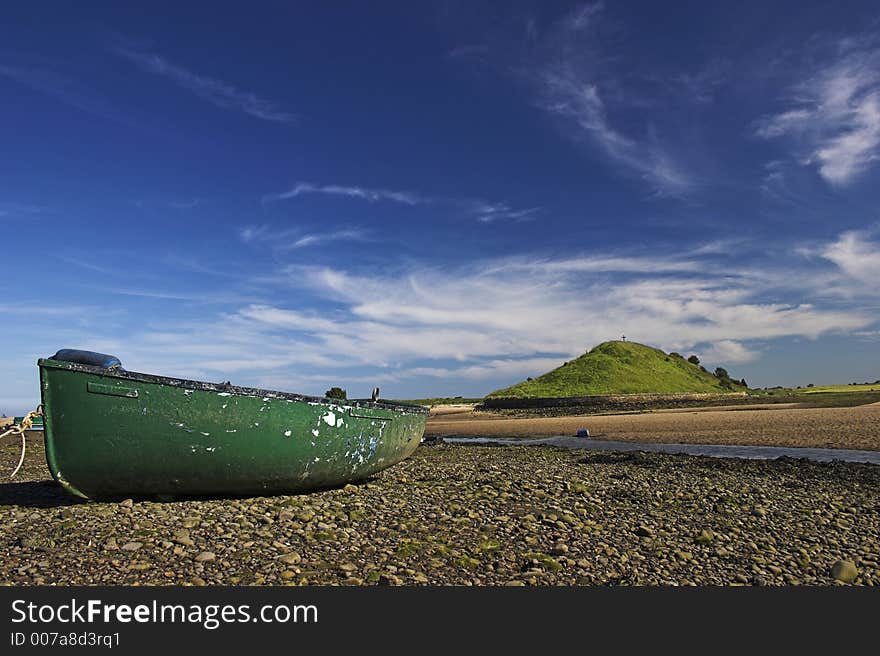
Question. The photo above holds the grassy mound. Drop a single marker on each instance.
(621, 368)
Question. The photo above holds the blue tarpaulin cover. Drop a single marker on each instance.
(88, 357)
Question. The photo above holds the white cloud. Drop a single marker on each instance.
(790, 121)
(371, 195)
(37, 310)
(599, 264)
(569, 85)
(253, 233)
(857, 256)
(492, 322)
(19, 210)
(561, 307)
(835, 117)
(215, 91)
(483, 211)
(728, 351)
(322, 238)
(583, 15)
(290, 319)
(512, 369)
(289, 239)
(489, 212)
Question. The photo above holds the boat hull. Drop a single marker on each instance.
(110, 434)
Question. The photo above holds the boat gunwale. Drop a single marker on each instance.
(223, 388)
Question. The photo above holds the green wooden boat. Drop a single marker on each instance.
(111, 433)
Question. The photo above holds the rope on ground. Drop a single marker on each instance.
(20, 430)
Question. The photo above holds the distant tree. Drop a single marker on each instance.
(336, 393)
(694, 359)
(676, 355)
(721, 373)
(742, 381)
(529, 378)
(810, 385)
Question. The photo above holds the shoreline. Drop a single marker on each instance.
(707, 450)
(855, 428)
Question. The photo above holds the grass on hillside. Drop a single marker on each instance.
(830, 396)
(445, 400)
(621, 368)
(866, 387)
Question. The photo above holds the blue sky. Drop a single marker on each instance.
(439, 199)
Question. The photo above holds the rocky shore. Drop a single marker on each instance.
(461, 515)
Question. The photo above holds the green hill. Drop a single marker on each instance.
(621, 368)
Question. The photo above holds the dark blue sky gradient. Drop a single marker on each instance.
(485, 189)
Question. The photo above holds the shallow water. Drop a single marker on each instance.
(711, 450)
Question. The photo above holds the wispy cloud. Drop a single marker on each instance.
(523, 315)
(857, 256)
(569, 83)
(702, 86)
(728, 351)
(156, 293)
(363, 193)
(217, 92)
(17, 210)
(489, 212)
(288, 239)
(775, 185)
(504, 368)
(561, 306)
(252, 233)
(833, 116)
(574, 96)
(483, 211)
(583, 16)
(321, 238)
(514, 315)
(66, 89)
(31, 309)
(597, 264)
(193, 265)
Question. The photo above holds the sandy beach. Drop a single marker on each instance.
(756, 425)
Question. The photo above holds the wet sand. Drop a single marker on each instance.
(767, 425)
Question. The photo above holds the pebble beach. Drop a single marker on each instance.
(468, 515)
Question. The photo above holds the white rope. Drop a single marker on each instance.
(20, 429)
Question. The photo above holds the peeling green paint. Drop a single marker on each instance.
(210, 439)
